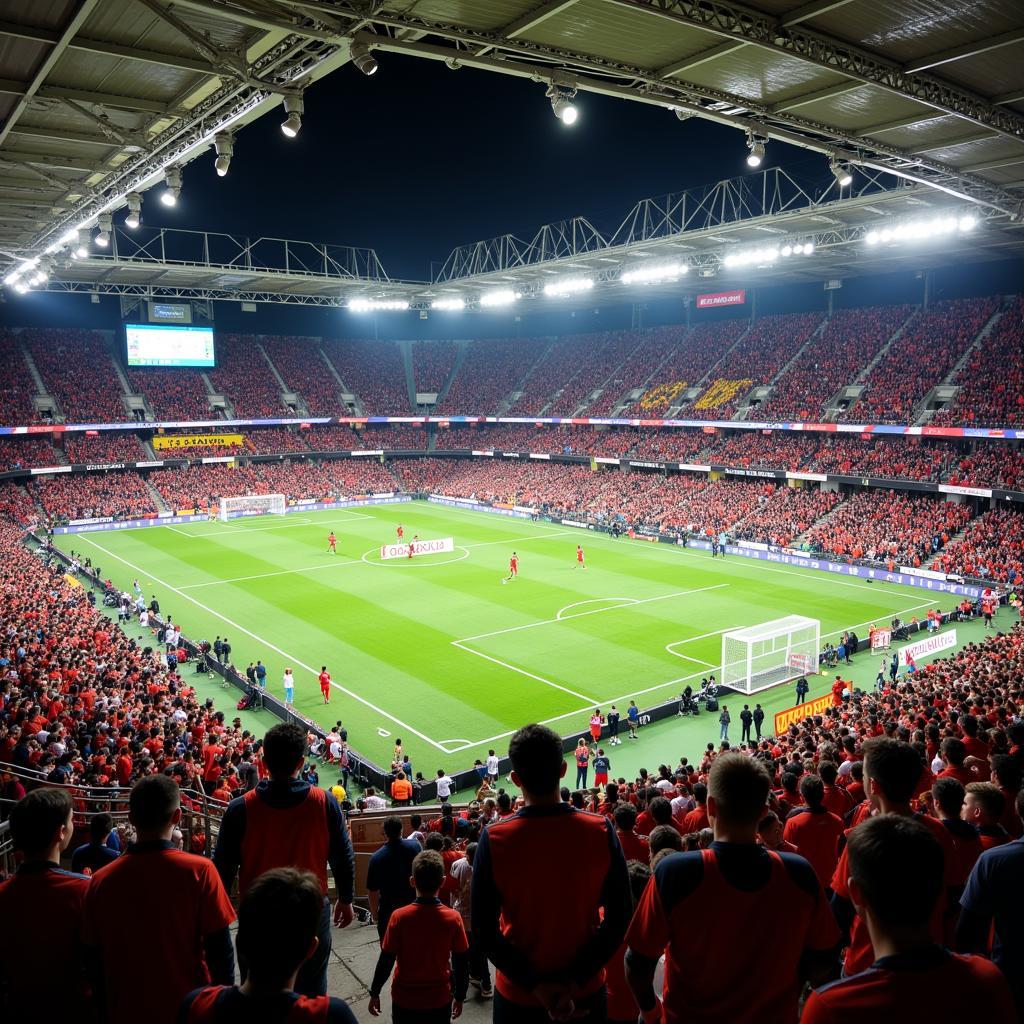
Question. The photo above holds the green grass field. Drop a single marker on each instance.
(438, 651)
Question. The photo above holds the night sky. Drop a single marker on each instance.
(419, 159)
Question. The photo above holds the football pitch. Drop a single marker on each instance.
(438, 651)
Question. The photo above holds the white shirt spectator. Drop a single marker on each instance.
(375, 803)
(492, 766)
(664, 785)
(444, 787)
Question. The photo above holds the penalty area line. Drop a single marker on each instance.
(270, 646)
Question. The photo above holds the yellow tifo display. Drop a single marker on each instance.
(720, 392)
(662, 394)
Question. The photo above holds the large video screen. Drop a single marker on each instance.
(159, 345)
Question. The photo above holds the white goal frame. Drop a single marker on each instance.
(757, 657)
(251, 505)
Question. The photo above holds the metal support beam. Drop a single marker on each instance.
(965, 51)
(530, 20)
(963, 140)
(243, 16)
(900, 122)
(994, 165)
(811, 10)
(829, 93)
(101, 99)
(60, 135)
(19, 158)
(70, 30)
(696, 59)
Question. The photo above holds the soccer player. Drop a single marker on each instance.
(400, 532)
(325, 684)
(41, 907)
(750, 974)
(513, 568)
(538, 923)
(427, 941)
(580, 564)
(896, 882)
(412, 545)
(285, 822)
(148, 976)
(277, 934)
(332, 543)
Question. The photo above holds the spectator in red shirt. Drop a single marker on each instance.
(896, 881)
(278, 920)
(427, 943)
(983, 808)
(191, 944)
(41, 907)
(833, 798)
(697, 819)
(770, 832)
(953, 755)
(622, 1007)
(727, 976)
(538, 917)
(634, 847)
(814, 830)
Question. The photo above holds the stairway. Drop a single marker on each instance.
(981, 336)
(405, 347)
(160, 504)
(880, 354)
(273, 368)
(519, 385)
(816, 333)
(34, 371)
(460, 358)
(797, 541)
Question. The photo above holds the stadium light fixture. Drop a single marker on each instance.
(498, 297)
(360, 55)
(568, 286)
(842, 173)
(756, 146)
(172, 186)
(921, 230)
(449, 305)
(133, 217)
(373, 305)
(655, 273)
(105, 227)
(562, 103)
(81, 249)
(294, 108)
(224, 146)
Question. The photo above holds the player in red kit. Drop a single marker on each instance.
(412, 546)
(513, 568)
(332, 542)
(580, 564)
(325, 684)
(400, 532)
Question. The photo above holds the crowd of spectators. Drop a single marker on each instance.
(491, 369)
(921, 357)
(115, 494)
(374, 371)
(334, 438)
(555, 370)
(764, 449)
(991, 548)
(760, 355)
(78, 370)
(174, 395)
(277, 440)
(889, 527)
(16, 504)
(992, 379)
(432, 364)
(242, 374)
(392, 437)
(850, 340)
(893, 458)
(26, 452)
(656, 344)
(103, 446)
(785, 514)
(598, 362)
(301, 365)
(991, 465)
(16, 388)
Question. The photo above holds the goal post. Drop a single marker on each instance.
(251, 505)
(757, 657)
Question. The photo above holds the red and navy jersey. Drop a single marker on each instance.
(537, 915)
(222, 1004)
(715, 968)
(930, 984)
(815, 834)
(423, 936)
(967, 848)
(40, 941)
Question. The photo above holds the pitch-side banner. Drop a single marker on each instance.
(929, 645)
(419, 547)
(715, 299)
(784, 719)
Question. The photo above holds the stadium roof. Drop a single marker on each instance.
(925, 101)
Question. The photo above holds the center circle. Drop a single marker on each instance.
(392, 562)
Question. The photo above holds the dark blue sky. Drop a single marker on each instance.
(419, 159)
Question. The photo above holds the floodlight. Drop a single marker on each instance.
(294, 108)
(133, 219)
(224, 146)
(172, 186)
(81, 249)
(568, 286)
(360, 55)
(450, 305)
(842, 173)
(498, 297)
(105, 227)
(756, 154)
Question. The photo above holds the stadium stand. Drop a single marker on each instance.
(891, 458)
(277, 440)
(432, 364)
(489, 371)
(850, 340)
(991, 465)
(656, 344)
(374, 372)
(410, 437)
(16, 504)
(921, 357)
(992, 379)
(606, 353)
(173, 394)
(301, 365)
(105, 446)
(117, 494)
(77, 369)
(242, 374)
(16, 388)
(26, 453)
(334, 438)
(991, 548)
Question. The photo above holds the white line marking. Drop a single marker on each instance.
(264, 575)
(595, 611)
(265, 529)
(267, 644)
(595, 600)
(521, 671)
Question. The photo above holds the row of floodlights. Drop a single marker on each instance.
(767, 255)
(919, 230)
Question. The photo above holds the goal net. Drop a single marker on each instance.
(251, 505)
(757, 657)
